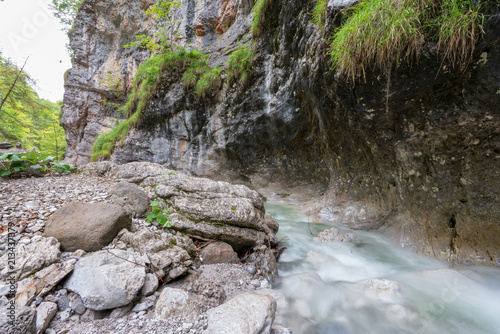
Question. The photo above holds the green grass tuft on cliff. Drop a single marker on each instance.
(384, 33)
(197, 75)
(319, 13)
(239, 65)
(260, 10)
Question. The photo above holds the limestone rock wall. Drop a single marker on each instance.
(419, 160)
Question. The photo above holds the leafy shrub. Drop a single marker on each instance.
(239, 65)
(11, 163)
(160, 214)
(160, 41)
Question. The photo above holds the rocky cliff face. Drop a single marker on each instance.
(418, 159)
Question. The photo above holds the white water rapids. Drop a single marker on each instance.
(323, 293)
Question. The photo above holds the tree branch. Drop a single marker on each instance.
(14, 84)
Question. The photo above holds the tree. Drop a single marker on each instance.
(65, 11)
(26, 118)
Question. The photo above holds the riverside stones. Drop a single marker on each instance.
(248, 313)
(130, 197)
(24, 319)
(219, 252)
(31, 258)
(44, 314)
(336, 235)
(105, 281)
(176, 302)
(87, 226)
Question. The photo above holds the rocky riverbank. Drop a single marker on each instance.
(84, 265)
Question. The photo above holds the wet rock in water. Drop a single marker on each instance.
(265, 263)
(246, 313)
(105, 281)
(336, 235)
(382, 289)
(87, 226)
(219, 252)
(24, 318)
(130, 197)
(44, 314)
(31, 258)
(176, 302)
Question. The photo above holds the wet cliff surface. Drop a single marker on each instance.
(418, 158)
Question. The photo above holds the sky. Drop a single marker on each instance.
(28, 29)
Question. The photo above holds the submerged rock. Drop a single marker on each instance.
(336, 235)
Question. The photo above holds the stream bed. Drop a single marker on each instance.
(375, 287)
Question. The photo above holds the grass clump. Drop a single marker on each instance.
(461, 23)
(259, 15)
(319, 13)
(146, 80)
(209, 82)
(384, 33)
(377, 33)
(239, 65)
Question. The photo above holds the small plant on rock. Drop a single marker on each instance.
(160, 214)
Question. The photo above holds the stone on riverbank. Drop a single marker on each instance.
(31, 258)
(106, 281)
(130, 197)
(87, 226)
(248, 313)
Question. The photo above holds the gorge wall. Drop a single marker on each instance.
(419, 160)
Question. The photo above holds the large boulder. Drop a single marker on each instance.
(87, 226)
(130, 197)
(31, 258)
(106, 280)
(248, 313)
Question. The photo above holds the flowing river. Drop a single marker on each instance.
(375, 287)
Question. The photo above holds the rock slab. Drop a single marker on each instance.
(105, 281)
(87, 226)
(31, 258)
(176, 302)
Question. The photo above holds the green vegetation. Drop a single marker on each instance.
(146, 80)
(160, 214)
(384, 33)
(160, 42)
(65, 11)
(239, 65)
(319, 13)
(260, 10)
(17, 163)
(26, 118)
